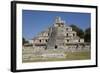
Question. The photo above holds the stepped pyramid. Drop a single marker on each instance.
(58, 36)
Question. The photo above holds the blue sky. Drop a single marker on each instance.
(33, 22)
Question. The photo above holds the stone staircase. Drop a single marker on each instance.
(56, 38)
(52, 38)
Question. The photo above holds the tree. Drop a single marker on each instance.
(24, 41)
(87, 36)
(79, 31)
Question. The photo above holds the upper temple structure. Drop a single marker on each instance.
(58, 36)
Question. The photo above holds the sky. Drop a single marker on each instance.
(33, 22)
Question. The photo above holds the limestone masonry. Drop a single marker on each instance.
(58, 36)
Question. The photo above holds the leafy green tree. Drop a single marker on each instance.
(79, 31)
(24, 41)
(87, 36)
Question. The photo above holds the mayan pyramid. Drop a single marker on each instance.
(58, 36)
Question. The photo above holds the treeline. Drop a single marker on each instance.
(86, 34)
(24, 41)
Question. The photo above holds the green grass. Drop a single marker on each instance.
(78, 55)
(69, 56)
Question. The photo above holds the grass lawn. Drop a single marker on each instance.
(68, 56)
(78, 55)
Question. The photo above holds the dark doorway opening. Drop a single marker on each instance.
(56, 46)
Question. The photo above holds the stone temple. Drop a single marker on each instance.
(58, 36)
(56, 43)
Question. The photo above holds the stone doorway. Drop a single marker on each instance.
(56, 46)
